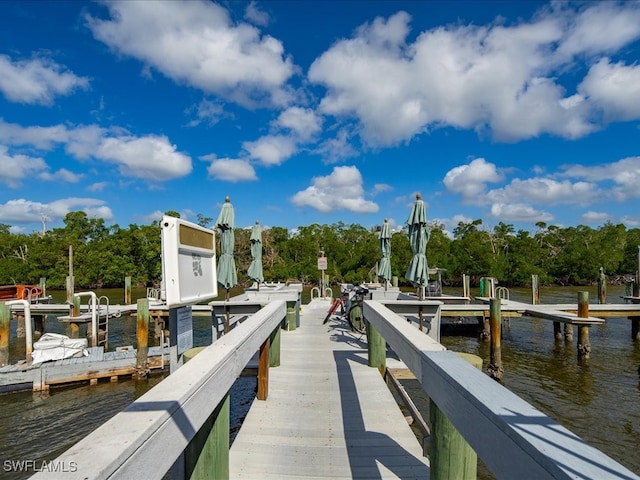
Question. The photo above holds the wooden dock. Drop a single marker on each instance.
(328, 414)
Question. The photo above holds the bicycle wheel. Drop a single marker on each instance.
(356, 319)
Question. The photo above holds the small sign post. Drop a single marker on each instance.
(322, 266)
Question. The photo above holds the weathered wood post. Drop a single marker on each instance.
(494, 368)
(376, 349)
(535, 289)
(450, 454)
(207, 455)
(602, 287)
(466, 285)
(127, 290)
(263, 371)
(291, 315)
(635, 321)
(584, 346)
(142, 338)
(5, 330)
(74, 327)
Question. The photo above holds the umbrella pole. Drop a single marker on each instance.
(226, 309)
(420, 297)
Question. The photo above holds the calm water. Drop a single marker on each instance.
(599, 400)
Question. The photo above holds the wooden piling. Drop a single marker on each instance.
(142, 338)
(127, 290)
(557, 331)
(602, 287)
(376, 349)
(263, 371)
(466, 285)
(635, 321)
(5, 330)
(74, 328)
(584, 346)
(495, 369)
(535, 289)
(291, 315)
(274, 348)
(450, 454)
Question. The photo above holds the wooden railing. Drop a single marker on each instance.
(513, 438)
(150, 437)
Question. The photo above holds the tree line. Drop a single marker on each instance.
(104, 255)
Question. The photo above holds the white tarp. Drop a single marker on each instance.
(53, 346)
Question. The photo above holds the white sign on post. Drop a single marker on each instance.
(322, 263)
(188, 262)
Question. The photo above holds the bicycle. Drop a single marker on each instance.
(350, 304)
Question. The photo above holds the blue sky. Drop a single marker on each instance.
(320, 112)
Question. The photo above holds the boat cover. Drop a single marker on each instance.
(54, 346)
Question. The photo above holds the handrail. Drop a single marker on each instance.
(513, 438)
(94, 316)
(28, 331)
(151, 433)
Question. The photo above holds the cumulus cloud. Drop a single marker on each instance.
(37, 81)
(546, 191)
(505, 79)
(25, 211)
(271, 149)
(196, 43)
(625, 175)
(62, 175)
(15, 168)
(303, 122)
(231, 170)
(595, 217)
(342, 189)
(470, 180)
(519, 212)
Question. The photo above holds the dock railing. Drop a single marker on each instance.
(154, 434)
(513, 438)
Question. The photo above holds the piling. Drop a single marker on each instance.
(495, 369)
(142, 338)
(450, 454)
(466, 285)
(535, 289)
(635, 321)
(291, 315)
(584, 346)
(376, 349)
(127, 290)
(263, 371)
(74, 328)
(5, 329)
(602, 287)
(207, 455)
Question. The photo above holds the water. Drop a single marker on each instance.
(598, 400)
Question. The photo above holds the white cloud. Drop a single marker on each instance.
(337, 149)
(519, 212)
(44, 138)
(36, 81)
(470, 180)
(595, 217)
(624, 173)
(231, 170)
(206, 111)
(304, 122)
(340, 190)
(507, 79)
(271, 149)
(196, 43)
(15, 168)
(381, 187)
(545, 191)
(62, 175)
(25, 211)
(255, 15)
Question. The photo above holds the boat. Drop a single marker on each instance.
(31, 293)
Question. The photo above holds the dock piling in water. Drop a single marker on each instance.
(5, 328)
(142, 337)
(584, 346)
(495, 369)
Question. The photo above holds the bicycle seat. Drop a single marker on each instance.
(362, 291)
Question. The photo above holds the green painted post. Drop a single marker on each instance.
(207, 455)
(274, 350)
(482, 286)
(450, 454)
(5, 330)
(376, 348)
(291, 315)
(142, 338)
(127, 290)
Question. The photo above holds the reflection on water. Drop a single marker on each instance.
(598, 399)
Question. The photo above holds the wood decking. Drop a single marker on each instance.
(327, 415)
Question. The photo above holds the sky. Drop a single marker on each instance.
(306, 112)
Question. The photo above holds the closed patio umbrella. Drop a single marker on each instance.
(227, 276)
(418, 271)
(384, 267)
(255, 269)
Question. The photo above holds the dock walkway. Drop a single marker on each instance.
(328, 414)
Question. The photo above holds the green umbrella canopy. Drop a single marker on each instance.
(418, 271)
(255, 269)
(227, 276)
(384, 239)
